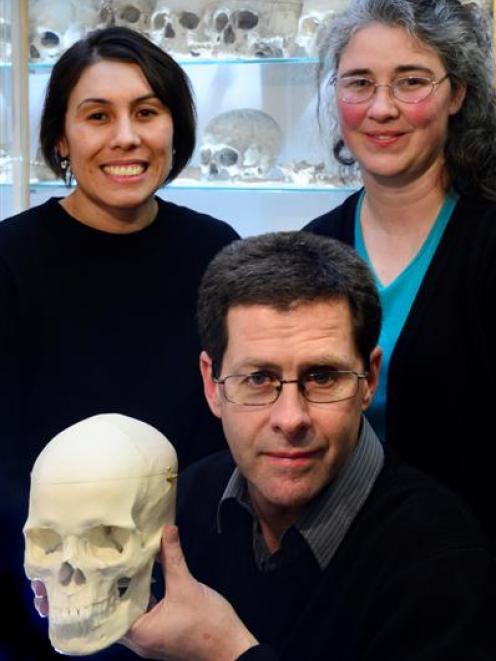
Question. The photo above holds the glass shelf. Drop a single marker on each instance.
(46, 67)
(267, 186)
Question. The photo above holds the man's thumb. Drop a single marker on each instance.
(173, 562)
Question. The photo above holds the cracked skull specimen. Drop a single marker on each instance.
(101, 491)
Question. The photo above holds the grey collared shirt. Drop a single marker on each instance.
(327, 518)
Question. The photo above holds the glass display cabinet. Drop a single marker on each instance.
(252, 64)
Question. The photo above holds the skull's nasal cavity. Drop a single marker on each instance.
(68, 573)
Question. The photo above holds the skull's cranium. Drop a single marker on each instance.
(101, 491)
(240, 144)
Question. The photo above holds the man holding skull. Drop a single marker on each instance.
(309, 540)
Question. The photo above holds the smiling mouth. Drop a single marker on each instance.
(131, 170)
(384, 137)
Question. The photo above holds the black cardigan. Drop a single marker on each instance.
(411, 581)
(441, 383)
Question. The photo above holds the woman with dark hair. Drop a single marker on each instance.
(414, 109)
(98, 289)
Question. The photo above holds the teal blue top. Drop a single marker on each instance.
(397, 299)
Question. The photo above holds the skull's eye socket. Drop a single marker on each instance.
(205, 156)
(221, 21)
(228, 157)
(43, 542)
(107, 542)
(189, 21)
(159, 21)
(246, 20)
(50, 39)
(130, 14)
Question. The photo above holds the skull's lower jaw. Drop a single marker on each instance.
(79, 635)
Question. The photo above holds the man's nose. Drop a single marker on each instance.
(290, 412)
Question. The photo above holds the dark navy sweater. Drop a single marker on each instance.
(413, 579)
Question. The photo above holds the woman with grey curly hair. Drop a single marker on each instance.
(415, 112)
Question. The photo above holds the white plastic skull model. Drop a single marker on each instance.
(134, 14)
(101, 491)
(313, 14)
(178, 27)
(53, 27)
(240, 144)
(259, 28)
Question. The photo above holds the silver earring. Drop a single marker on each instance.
(64, 163)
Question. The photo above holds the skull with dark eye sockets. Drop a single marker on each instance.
(178, 27)
(134, 14)
(53, 27)
(101, 491)
(256, 28)
(240, 144)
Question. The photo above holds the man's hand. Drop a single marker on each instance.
(192, 622)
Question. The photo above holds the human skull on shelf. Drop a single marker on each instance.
(53, 27)
(134, 14)
(101, 491)
(240, 144)
(313, 15)
(262, 28)
(178, 27)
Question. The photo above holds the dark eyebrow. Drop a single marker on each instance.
(106, 102)
(407, 68)
(403, 68)
(254, 365)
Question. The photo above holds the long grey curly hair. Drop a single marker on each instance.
(460, 33)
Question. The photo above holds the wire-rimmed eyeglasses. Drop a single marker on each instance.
(263, 388)
(407, 89)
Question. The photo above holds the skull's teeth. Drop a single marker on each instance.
(78, 621)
